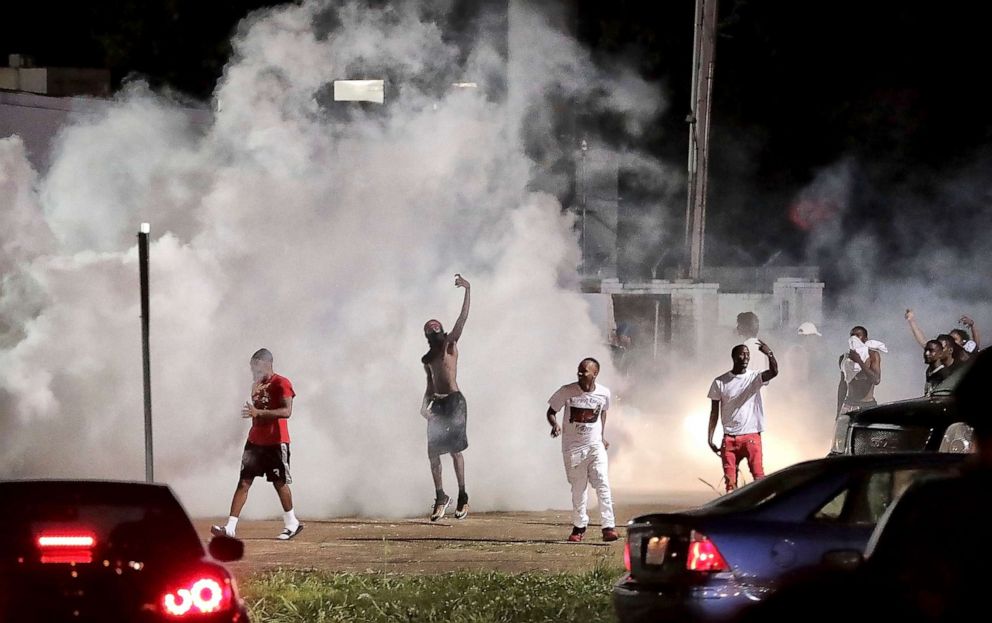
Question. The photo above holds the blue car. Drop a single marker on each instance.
(708, 563)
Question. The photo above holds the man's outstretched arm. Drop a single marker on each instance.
(968, 322)
(456, 331)
(772, 370)
(915, 329)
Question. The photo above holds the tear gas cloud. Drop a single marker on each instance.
(931, 255)
(327, 238)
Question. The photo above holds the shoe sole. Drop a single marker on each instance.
(461, 514)
(218, 531)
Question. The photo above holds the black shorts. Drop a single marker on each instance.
(269, 461)
(446, 426)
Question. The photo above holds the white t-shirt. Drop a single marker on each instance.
(580, 435)
(741, 411)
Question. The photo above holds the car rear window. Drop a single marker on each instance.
(766, 489)
(133, 522)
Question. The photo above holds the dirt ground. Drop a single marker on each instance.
(504, 541)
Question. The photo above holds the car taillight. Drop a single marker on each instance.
(66, 547)
(704, 555)
(626, 555)
(200, 594)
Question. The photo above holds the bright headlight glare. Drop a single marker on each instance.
(840, 433)
(957, 439)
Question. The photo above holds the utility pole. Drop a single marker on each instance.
(703, 58)
(145, 351)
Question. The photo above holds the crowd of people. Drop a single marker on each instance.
(736, 402)
(585, 404)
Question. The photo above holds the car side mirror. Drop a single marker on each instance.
(226, 548)
(843, 559)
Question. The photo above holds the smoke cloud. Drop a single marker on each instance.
(325, 232)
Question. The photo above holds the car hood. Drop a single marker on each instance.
(918, 411)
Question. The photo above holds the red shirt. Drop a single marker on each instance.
(270, 394)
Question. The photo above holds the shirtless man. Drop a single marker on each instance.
(444, 407)
(859, 375)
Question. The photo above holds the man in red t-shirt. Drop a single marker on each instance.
(267, 449)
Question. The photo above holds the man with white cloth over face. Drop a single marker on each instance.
(860, 372)
(583, 446)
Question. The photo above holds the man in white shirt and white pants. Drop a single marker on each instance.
(583, 446)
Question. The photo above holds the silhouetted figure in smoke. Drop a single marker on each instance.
(736, 401)
(267, 449)
(968, 343)
(621, 346)
(583, 446)
(444, 406)
(860, 372)
(799, 355)
(747, 328)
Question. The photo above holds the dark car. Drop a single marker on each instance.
(928, 424)
(109, 551)
(710, 562)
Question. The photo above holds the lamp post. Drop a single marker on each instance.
(145, 351)
(703, 60)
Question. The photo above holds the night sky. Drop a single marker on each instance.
(895, 89)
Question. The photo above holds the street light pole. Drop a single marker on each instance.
(145, 351)
(703, 60)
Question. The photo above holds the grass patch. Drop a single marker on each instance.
(464, 597)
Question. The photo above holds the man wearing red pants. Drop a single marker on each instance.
(736, 397)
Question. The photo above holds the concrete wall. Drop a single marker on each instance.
(798, 301)
(56, 81)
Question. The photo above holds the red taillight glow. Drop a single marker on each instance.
(626, 555)
(68, 540)
(200, 596)
(704, 555)
(66, 547)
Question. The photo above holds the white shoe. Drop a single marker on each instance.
(289, 533)
(221, 531)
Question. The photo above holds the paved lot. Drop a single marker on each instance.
(506, 541)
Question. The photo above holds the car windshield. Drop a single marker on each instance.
(138, 522)
(766, 489)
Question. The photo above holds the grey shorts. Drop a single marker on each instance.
(446, 427)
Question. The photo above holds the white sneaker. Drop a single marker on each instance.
(289, 533)
(221, 531)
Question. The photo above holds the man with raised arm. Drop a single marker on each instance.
(736, 401)
(444, 406)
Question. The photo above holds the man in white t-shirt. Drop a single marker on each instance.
(583, 446)
(736, 401)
